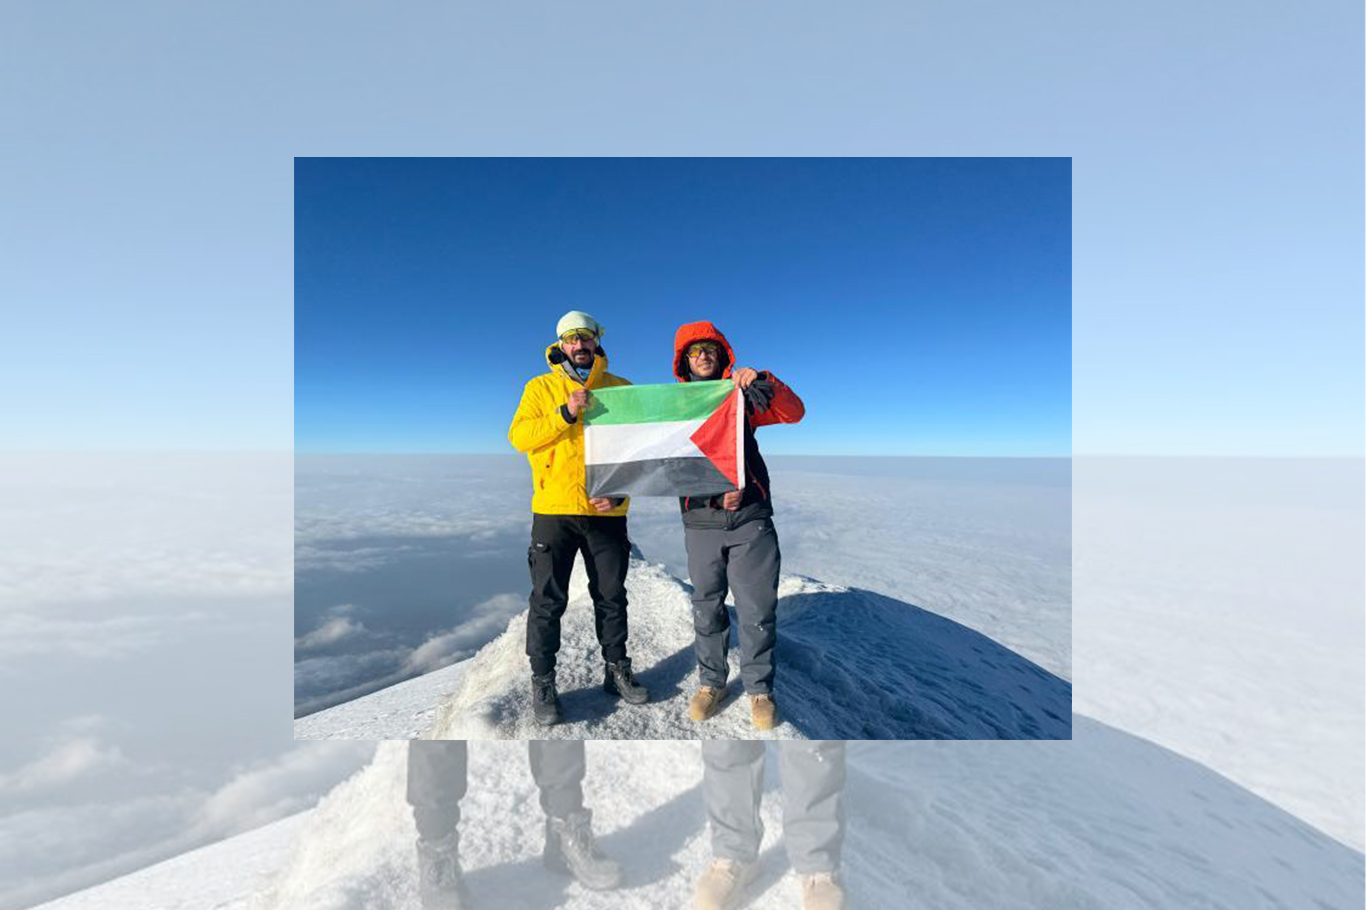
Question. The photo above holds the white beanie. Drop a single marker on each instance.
(575, 319)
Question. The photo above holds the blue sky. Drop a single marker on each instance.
(919, 306)
(148, 221)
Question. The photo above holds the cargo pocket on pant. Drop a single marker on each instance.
(534, 553)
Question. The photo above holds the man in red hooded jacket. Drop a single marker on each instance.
(732, 544)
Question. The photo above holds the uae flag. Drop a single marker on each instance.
(679, 439)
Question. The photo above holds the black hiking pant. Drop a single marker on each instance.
(555, 541)
(438, 775)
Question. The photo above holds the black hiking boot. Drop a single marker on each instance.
(619, 680)
(545, 702)
(440, 883)
(571, 849)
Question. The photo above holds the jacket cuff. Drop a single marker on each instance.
(568, 418)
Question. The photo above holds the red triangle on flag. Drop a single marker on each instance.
(717, 438)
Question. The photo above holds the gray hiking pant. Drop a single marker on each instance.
(813, 800)
(745, 560)
(438, 774)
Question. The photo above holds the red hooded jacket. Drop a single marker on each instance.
(783, 407)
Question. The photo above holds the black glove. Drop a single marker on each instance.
(759, 395)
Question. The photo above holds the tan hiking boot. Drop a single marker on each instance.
(705, 702)
(821, 892)
(721, 886)
(763, 712)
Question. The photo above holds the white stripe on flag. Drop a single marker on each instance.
(740, 437)
(614, 443)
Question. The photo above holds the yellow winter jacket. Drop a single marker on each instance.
(555, 448)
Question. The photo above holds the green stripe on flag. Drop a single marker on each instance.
(653, 403)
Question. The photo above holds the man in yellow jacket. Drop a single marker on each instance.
(565, 522)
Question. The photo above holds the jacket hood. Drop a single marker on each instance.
(699, 331)
(558, 361)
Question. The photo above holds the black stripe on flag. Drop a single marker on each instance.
(658, 477)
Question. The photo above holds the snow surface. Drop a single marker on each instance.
(1218, 604)
(1104, 821)
(1218, 615)
(402, 711)
(232, 874)
(851, 664)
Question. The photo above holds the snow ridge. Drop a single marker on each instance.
(852, 664)
(1107, 820)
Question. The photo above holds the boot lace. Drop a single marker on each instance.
(625, 678)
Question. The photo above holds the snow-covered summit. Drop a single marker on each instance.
(1106, 820)
(852, 664)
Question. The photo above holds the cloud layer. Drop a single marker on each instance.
(139, 815)
(324, 680)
